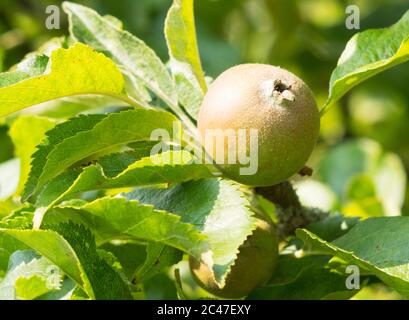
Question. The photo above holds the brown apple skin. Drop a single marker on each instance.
(276, 103)
(253, 267)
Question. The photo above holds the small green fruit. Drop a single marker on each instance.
(254, 265)
(276, 103)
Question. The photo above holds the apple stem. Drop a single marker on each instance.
(290, 213)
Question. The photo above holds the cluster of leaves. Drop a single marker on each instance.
(90, 213)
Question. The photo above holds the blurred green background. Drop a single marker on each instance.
(362, 160)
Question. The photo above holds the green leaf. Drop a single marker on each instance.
(8, 246)
(106, 283)
(72, 248)
(136, 89)
(55, 248)
(52, 44)
(119, 218)
(115, 21)
(20, 218)
(159, 257)
(89, 27)
(26, 133)
(29, 276)
(75, 71)
(29, 288)
(367, 54)
(70, 107)
(218, 208)
(33, 65)
(114, 164)
(372, 245)
(10, 78)
(333, 226)
(7, 206)
(160, 287)
(66, 292)
(307, 278)
(185, 62)
(168, 167)
(97, 133)
(54, 137)
(130, 255)
(118, 128)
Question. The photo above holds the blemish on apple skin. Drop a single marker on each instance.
(280, 86)
(277, 92)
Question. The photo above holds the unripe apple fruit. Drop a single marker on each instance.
(274, 102)
(255, 263)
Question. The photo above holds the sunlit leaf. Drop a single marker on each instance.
(185, 62)
(168, 167)
(84, 136)
(89, 27)
(74, 71)
(26, 133)
(372, 246)
(295, 277)
(367, 54)
(220, 209)
(119, 218)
